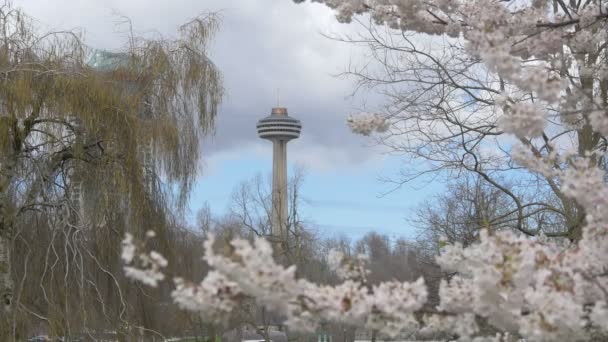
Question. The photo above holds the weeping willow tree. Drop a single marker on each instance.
(92, 144)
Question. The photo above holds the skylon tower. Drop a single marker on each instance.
(279, 128)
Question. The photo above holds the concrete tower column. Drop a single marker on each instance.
(279, 188)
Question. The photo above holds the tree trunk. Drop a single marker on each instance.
(6, 280)
(212, 333)
(264, 330)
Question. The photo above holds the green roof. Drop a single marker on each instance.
(104, 60)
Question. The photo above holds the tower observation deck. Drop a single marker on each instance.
(279, 128)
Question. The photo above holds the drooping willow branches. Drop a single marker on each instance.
(92, 142)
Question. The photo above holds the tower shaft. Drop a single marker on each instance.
(279, 189)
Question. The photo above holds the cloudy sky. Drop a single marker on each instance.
(265, 48)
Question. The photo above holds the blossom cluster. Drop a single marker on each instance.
(523, 119)
(539, 290)
(214, 299)
(367, 123)
(142, 266)
(519, 285)
(249, 271)
(348, 268)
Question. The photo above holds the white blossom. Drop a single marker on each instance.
(367, 123)
(128, 249)
(348, 268)
(599, 120)
(141, 266)
(523, 119)
(599, 315)
(150, 277)
(214, 298)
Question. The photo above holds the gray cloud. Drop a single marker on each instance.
(263, 50)
(262, 46)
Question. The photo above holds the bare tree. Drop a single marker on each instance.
(252, 204)
(458, 214)
(444, 110)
